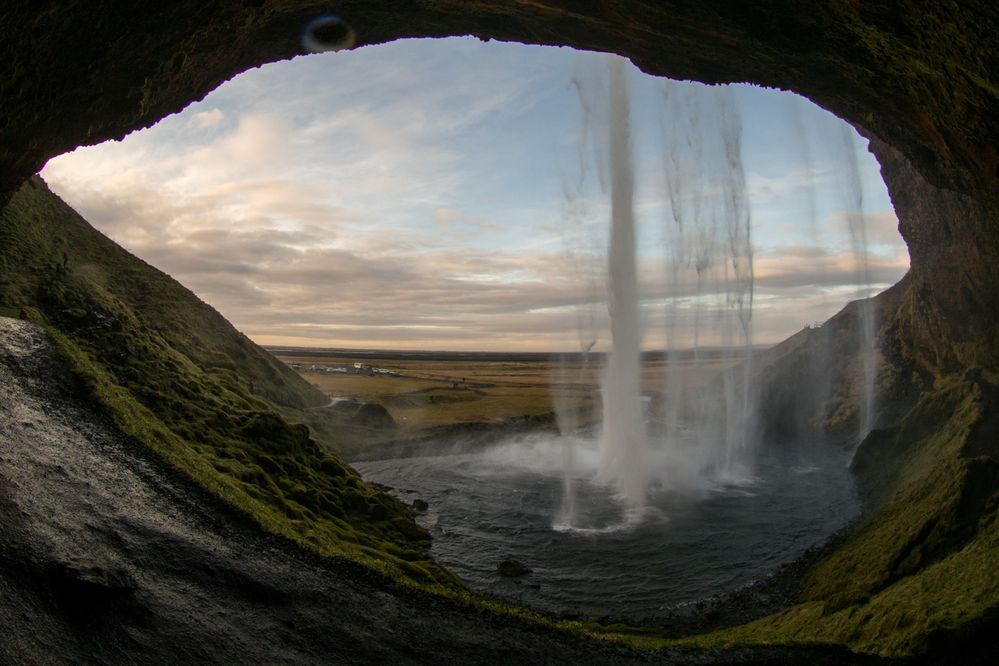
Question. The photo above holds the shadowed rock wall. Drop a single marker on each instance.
(919, 78)
(949, 316)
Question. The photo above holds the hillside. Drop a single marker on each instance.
(917, 574)
(809, 385)
(165, 380)
(104, 287)
(109, 556)
(174, 374)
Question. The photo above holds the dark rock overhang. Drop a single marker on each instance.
(919, 79)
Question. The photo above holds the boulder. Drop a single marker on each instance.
(512, 569)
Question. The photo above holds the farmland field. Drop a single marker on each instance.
(423, 390)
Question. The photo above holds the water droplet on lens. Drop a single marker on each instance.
(328, 33)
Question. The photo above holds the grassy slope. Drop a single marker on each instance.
(176, 376)
(917, 572)
(920, 570)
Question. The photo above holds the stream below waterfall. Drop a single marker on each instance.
(505, 503)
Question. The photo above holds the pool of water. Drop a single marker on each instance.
(506, 502)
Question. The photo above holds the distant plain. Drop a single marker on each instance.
(430, 389)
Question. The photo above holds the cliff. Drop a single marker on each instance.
(918, 79)
(110, 556)
(171, 373)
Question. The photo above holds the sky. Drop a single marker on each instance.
(446, 194)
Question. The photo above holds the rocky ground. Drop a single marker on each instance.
(109, 556)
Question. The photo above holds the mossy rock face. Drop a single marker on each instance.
(512, 569)
(373, 415)
(919, 573)
(331, 467)
(148, 351)
(274, 433)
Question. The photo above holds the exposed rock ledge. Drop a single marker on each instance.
(108, 556)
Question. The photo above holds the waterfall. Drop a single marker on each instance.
(709, 283)
(699, 429)
(834, 143)
(703, 420)
(865, 312)
(622, 444)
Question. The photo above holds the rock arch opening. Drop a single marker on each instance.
(918, 81)
(264, 195)
(915, 81)
(466, 151)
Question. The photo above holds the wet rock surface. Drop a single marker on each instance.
(110, 556)
(107, 555)
(512, 569)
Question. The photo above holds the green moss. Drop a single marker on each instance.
(915, 472)
(899, 620)
(923, 564)
(149, 353)
(174, 375)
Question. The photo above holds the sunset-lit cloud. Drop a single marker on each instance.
(414, 195)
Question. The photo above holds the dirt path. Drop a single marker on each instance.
(109, 556)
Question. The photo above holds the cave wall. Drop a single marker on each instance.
(919, 79)
(948, 319)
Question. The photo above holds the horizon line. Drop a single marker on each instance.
(371, 351)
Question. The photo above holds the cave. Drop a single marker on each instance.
(917, 81)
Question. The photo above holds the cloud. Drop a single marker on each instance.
(259, 143)
(322, 284)
(875, 228)
(464, 226)
(445, 217)
(764, 189)
(206, 119)
(369, 206)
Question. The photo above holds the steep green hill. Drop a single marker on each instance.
(917, 575)
(176, 376)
